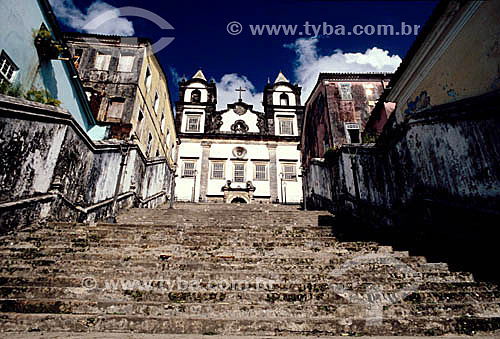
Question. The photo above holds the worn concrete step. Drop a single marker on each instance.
(249, 326)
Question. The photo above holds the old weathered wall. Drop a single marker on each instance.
(50, 168)
(318, 191)
(432, 182)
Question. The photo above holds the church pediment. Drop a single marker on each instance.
(240, 118)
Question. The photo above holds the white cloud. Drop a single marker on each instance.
(112, 24)
(226, 91)
(310, 63)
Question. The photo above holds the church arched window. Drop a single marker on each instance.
(196, 96)
(284, 99)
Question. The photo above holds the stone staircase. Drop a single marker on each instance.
(253, 270)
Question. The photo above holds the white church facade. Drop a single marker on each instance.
(238, 154)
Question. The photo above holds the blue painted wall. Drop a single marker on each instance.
(18, 20)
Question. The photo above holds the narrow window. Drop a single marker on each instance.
(157, 102)
(102, 61)
(284, 99)
(239, 172)
(162, 122)
(218, 170)
(188, 169)
(140, 119)
(261, 172)
(150, 144)
(148, 79)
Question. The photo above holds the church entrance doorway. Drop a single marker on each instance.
(238, 200)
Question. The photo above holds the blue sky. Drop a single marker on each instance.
(201, 38)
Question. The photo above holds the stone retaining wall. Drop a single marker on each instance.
(45, 152)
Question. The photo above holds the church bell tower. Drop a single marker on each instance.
(196, 104)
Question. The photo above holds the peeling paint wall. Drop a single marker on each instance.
(463, 62)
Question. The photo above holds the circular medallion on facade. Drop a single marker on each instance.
(239, 152)
(239, 109)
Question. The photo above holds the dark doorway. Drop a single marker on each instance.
(238, 201)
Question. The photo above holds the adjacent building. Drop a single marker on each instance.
(338, 109)
(127, 90)
(34, 58)
(239, 154)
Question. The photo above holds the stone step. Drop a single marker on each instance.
(30, 251)
(233, 294)
(226, 269)
(249, 326)
(405, 266)
(133, 234)
(186, 241)
(286, 282)
(166, 261)
(243, 310)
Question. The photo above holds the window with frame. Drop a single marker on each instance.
(289, 172)
(102, 61)
(239, 172)
(345, 91)
(126, 63)
(286, 126)
(188, 169)
(7, 68)
(218, 170)
(193, 123)
(261, 172)
(353, 135)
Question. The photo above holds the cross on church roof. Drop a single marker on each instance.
(240, 90)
